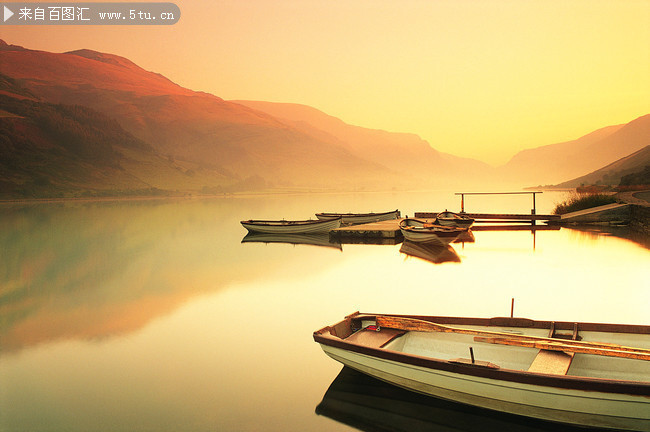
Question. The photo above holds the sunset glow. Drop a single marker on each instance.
(475, 79)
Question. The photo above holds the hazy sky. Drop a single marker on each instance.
(475, 78)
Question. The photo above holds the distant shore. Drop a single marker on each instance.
(188, 195)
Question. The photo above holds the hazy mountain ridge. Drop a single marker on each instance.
(406, 153)
(630, 166)
(555, 163)
(186, 126)
(54, 150)
(194, 141)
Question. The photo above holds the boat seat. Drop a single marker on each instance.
(551, 362)
(374, 338)
(555, 362)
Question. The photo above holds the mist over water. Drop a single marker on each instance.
(153, 315)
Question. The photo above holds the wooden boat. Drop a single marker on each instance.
(430, 251)
(368, 404)
(318, 239)
(294, 227)
(448, 218)
(421, 230)
(585, 374)
(360, 218)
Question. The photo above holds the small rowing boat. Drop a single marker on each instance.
(448, 218)
(360, 218)
(585, 374)
(291, 226)
(367, 404)
(420, 230)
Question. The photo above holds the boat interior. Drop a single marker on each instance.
(479, 347)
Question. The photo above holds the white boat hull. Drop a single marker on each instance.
(427, 237)
(288, 227)
(421, 230)
(585, 408)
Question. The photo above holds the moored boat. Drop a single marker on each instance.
(448, 218)
(585, 374)
(420, 230)
(360, 218)
(368, 404)
(291, 226)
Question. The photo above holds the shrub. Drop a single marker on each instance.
(580, 201)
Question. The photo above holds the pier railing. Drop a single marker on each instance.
(481, 217)
(462, 197)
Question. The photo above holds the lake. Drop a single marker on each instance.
(152, 315)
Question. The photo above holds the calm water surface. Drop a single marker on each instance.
(153, 315)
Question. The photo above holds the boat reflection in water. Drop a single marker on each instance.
(435, 252)
(465, 237)
(322, 239)
(371, 405)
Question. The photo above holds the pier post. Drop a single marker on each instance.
(533, 211)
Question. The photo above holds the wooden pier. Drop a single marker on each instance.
(383, 232)
(499, 217)
(388, 232)
(492, 217)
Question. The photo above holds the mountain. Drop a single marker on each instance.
(54, 150)
(555, 163)
(407, 154)
(636, 180)
(629, 167)
(186, 127)
(85, 122)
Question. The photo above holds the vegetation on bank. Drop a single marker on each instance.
(577, 201)
(640, 179)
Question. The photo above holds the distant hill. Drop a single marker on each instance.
(188, 127)
(85, 122)
(407, 154)
(555, 163)
(54, 150)
(631, 166)
(636, 179)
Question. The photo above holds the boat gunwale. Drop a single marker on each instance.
(568, 382)
(286, 222)
(343, 215)
(454, 216)
(428, 227)
(429, 231)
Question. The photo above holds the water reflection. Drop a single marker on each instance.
(465, 237)
(389, 241)
(594, 232)
(434, 252)
(114, 316)
(98, 269)
(93, 270)
(370, 405)
(516, 227)
(322, 240)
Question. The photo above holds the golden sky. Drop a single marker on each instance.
(475, 78)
